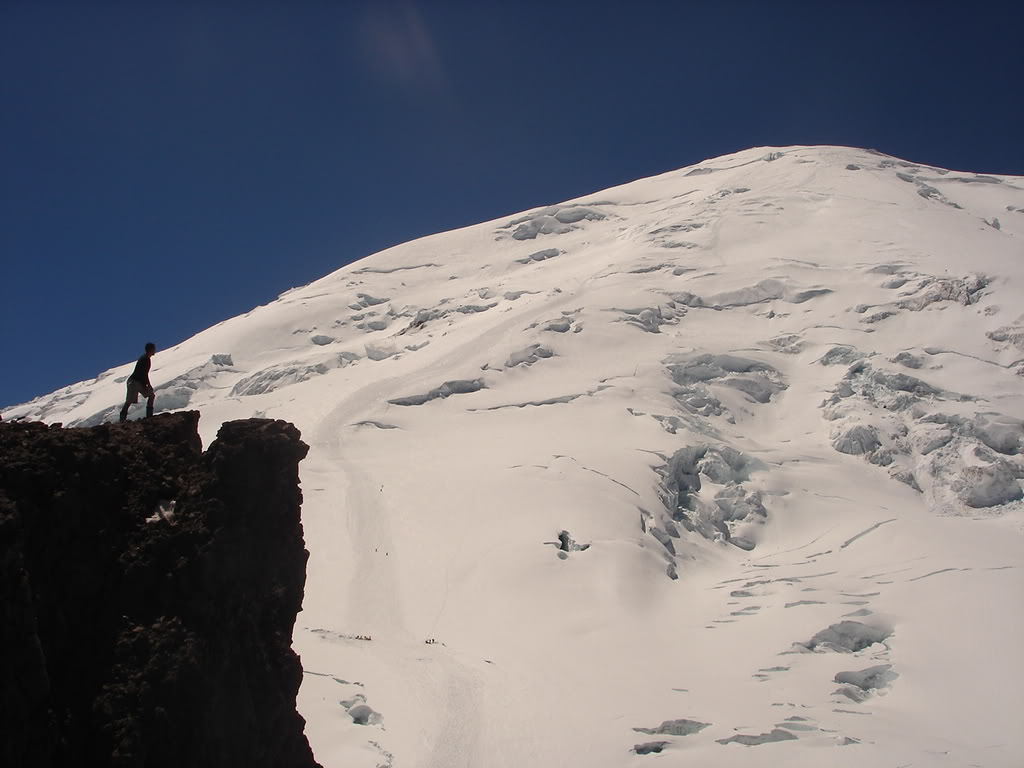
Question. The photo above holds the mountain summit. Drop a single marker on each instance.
(724, 462)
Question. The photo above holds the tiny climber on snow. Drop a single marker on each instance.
(138, 383)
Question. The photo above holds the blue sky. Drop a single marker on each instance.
(165, 166)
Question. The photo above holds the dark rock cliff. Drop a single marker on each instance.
(148, 595)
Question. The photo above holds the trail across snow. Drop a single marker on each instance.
(427, 672)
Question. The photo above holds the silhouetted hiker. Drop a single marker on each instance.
(138, 383)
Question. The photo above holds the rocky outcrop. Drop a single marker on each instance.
(149, 592)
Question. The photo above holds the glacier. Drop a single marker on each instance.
(691, 451)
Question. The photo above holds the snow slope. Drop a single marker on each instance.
(721, 468)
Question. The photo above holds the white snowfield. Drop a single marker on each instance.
(718, 468)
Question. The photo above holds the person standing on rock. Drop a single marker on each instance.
(138, 383)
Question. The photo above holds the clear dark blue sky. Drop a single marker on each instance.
(164, 166)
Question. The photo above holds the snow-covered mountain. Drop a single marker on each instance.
(720, 468)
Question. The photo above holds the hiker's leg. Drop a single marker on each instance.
(150, 401)
(131, 397)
